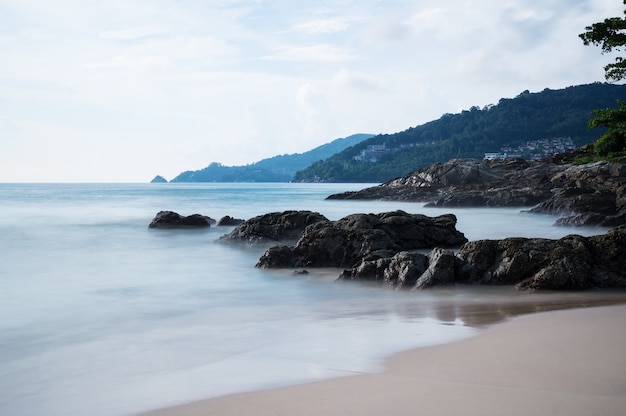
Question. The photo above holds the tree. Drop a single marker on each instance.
(610, 35)
(614, 139)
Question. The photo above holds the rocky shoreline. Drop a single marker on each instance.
(413, 251)
(591, 194)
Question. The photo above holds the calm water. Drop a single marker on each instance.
(102, 316)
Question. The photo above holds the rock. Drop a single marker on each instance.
(285, 226)
(170, 219)
(345, 242)
(440, 269)
(228, 221)
(609, 251)
(570, 263)
(406, 269)
(591, 194)
(374, 268)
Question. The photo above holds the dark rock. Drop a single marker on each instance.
(609, 251)
(170, 219)
(279, 256)
(440, 269)
(345, 242)
(229, 221)
(404, 269)
(285, 226)
(570, 263)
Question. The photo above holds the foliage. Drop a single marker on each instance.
(609, 35)
(471, 133)
(614, 139)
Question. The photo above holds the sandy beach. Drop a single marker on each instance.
(567, 362)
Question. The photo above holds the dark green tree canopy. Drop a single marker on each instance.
(610, 35)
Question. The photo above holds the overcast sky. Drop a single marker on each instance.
(123, 90)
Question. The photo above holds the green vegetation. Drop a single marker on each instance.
(610, 35)
(471, 133)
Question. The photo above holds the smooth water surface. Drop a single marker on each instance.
(103, 316)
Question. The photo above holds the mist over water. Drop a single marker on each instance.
(103, 316)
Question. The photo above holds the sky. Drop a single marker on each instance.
(123, 90)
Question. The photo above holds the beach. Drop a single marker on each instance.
(565, 362)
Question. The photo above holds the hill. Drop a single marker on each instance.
(280, 168)
(530, 122)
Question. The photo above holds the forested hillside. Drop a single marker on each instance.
(511, 122)
(280, 168)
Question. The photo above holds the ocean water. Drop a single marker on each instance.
(102, 316)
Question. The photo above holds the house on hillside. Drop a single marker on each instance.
(371, 153)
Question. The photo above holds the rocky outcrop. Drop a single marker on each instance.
(285, 226)
(227, 220)
(570, 263)
(591, 194)
(588, 194)
(345, 242)
(171, 219)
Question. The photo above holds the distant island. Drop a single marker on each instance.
(280, 168)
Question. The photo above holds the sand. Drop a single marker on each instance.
(570, 362)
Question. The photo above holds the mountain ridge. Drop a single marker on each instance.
(540, 116)
(280, 168)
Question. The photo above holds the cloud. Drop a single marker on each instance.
(322, 26)
(355, 79)
(313, 53)
(135, 33)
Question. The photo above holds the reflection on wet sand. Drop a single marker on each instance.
(479, 307)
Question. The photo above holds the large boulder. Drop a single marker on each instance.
(570, 263)
(286, 226)
(344, 242)
(171, 219)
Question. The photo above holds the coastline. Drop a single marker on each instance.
(559, 362)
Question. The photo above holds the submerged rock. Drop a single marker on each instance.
(171, 219)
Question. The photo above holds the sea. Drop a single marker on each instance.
(101, 315)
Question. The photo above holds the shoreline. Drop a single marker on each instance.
(554, 361)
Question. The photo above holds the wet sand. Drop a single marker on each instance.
(562, 362)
